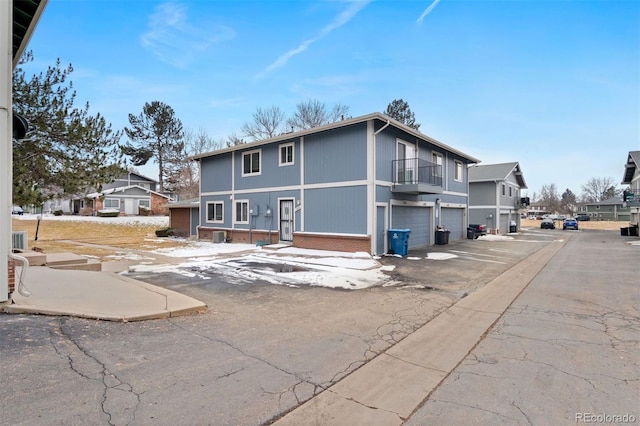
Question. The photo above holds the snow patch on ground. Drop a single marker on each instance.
(440, 256)
(120, 220)
(490, 237)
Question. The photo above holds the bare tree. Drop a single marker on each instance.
(313, 113)
(599, 189)
(549, 197)
(266, 123)
(183, 178)
(233, 140)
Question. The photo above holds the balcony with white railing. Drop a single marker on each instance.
(417, 176)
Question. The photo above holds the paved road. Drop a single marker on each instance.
(258, 352)
(566, 352)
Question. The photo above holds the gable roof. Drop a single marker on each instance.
(633, 161)
(142, 177)
(338, 124)
(123, 189)
(496, 172)
(613, 201)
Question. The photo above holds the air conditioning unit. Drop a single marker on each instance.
(19, 240)
(218, 236)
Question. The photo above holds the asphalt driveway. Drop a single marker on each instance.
(259, 351)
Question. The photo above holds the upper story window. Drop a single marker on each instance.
(251, 163)
(510, 192)
(286, 154)
(458, 172)
(215, 212)
(504, 190)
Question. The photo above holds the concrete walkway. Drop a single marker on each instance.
(388, 389)
(97, 295)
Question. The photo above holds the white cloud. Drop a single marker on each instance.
(342, 18)
(176, 41)
(427, 11)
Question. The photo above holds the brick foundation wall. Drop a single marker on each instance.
(332, 242)
(300, 239)
(12, 275)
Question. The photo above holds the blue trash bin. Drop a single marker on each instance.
(399, 241)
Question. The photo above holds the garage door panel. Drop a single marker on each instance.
(453, 220)
(417, 219)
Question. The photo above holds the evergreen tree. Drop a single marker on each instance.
(66, 151)
(155, 133)
(399, 110)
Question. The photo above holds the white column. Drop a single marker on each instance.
(6, 153)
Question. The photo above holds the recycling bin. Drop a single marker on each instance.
(633, 231)
(624, 232)
(442, 236)
(399, 241)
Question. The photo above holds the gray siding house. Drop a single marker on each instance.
(632, 178)
(340, 187)
(494, 195)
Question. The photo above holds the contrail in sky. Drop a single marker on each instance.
(427, 10)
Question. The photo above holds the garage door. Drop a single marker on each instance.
(504, 223)
(418, 219)
(452, 219)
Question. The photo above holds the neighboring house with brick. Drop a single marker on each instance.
(129, 200)
(494, 195)
(340, 186)
(611, 209)
(632, 178)
(184, 217)
(126, 193)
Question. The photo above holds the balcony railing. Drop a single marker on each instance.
(414, 175)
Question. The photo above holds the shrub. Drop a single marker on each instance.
(165, 232)
(57, 212)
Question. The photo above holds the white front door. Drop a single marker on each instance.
(130, 206)
(286, 214)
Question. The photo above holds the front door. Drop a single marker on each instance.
(286, 220)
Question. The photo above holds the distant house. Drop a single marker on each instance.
(129, 200)
(632, 178)
(340, 186)
(538, 209)
(127, 193)
(611, 209)
(494, 195)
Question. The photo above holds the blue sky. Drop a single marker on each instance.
(554, 85)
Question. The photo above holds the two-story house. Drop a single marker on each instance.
(494, 195)
(632, 178)
(340, 186)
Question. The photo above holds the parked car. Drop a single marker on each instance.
(17, 210)
(570, 224)
(582, 217)
(475, 230)
(547, 224)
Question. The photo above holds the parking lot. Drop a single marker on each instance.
(260, 350)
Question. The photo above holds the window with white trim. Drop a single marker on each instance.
(241, 214)
(251, 162)
(504, 189)
(215, 211)
(457, 176)
(112, 203)
(510, 192)
(286, 154)
(144, 203)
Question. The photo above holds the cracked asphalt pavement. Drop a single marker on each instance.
(261, 350)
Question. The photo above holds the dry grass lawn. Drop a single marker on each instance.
(78, 237)
(590, 224)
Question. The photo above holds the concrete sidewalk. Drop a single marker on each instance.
(97, 295)
(389, 388)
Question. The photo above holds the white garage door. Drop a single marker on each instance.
(453, 219)
(417, 219)
(504, 223)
